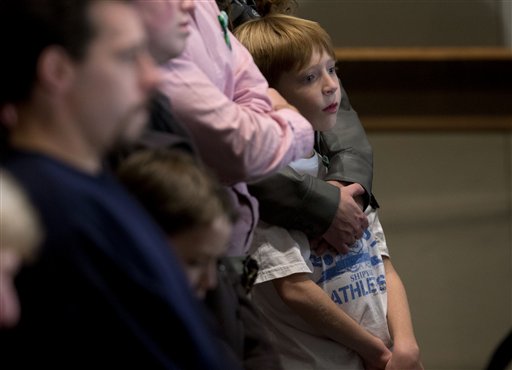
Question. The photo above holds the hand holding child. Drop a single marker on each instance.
(349, 222)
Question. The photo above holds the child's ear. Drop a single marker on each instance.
(55, 70)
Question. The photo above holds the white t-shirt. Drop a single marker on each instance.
(355, 281)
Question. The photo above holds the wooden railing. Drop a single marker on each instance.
(415, 89)
(424, 54)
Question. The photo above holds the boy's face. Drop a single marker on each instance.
(111, 86)
(314, 90)
(167, 24)
(199, 250)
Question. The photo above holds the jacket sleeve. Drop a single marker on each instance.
(347, 147)
(306, 203)
(295, 201)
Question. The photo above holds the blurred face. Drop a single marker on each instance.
(314, 90)
(199, 250)
(111, 86)
(167, 24)
(9, 305)
(8, 115)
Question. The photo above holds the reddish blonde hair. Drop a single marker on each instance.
(281, 43)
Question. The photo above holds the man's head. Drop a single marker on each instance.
(188, 203)
(84, 64)
(167, 25)
(62, 23)
(297, 58)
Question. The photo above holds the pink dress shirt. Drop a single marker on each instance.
(221, 96)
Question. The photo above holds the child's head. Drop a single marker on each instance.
(241, 11)
(297, 58)
(188, 203)
(20, 234)
(265, 7)
(101, 99)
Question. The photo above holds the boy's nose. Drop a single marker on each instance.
(330, 88)
(330, 83)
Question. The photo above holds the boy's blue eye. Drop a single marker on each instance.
(310, 78)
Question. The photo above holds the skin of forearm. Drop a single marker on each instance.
(311, 303)
(399, 316)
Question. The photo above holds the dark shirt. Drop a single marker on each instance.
(106, 290)
(242, 326)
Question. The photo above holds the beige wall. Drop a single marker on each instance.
(446, 197)
(413, 22)
(447, 212)
(506, 14)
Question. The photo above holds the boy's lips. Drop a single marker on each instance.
(332, 108)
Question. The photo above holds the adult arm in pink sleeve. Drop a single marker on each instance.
(221, 96)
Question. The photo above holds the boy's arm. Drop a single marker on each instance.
(311, 303)
(406, 353)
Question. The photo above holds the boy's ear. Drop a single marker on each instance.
(55, 70)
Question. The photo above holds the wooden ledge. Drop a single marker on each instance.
(424, 54)
(375, 123)
(429, 89)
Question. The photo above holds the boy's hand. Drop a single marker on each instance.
(405, 359)
(349, 222)
(376, 356)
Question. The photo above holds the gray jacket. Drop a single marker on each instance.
(309, 204)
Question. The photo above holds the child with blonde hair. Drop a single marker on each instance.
(328, 310)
